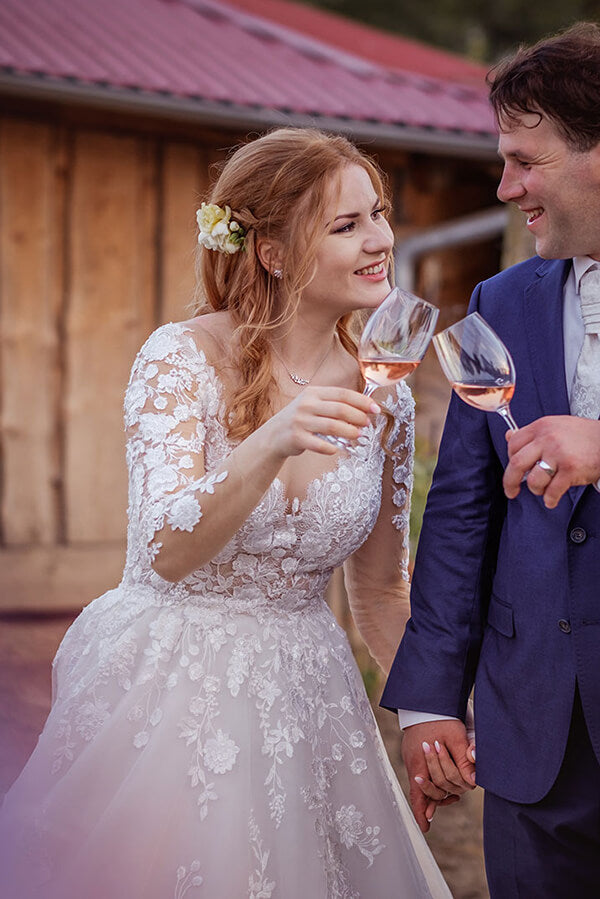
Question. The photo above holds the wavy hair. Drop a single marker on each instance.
(558, 77)
(278, 187)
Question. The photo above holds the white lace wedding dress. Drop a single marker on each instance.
(212, 738)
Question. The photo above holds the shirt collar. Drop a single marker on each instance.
(581, 264)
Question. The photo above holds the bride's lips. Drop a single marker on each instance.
(376, 272)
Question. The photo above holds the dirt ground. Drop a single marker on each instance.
(26, 651)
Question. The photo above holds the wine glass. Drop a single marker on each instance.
(478, 366)
(393, 343)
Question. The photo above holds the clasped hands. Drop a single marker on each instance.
(570, 448)
(440, 761)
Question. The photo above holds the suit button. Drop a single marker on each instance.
(578, 535)
(565, 626)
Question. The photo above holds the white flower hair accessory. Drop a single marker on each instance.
(217, 230)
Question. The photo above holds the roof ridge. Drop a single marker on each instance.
(259, 26)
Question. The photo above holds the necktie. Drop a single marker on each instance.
(585, 395)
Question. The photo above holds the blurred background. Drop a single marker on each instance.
(112, 119)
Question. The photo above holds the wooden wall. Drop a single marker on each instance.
(97, 234)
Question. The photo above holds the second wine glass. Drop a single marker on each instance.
(478, 366)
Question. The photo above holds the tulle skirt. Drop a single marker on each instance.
(209, 750)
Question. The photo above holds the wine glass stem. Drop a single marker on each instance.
(504, 411)
(370, 387)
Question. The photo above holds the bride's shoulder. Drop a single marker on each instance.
(205, 337)
(212, 334)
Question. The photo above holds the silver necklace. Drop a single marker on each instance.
(298, 379)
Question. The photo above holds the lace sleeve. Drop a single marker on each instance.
(171, 398)
(403, 443)
(376, 575)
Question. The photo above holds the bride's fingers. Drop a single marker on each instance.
(346, 397)
(430, 810)
(452, 773)
(442, 769)
(334, 427)
(429, 789)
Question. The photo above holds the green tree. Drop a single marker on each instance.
(475, 28)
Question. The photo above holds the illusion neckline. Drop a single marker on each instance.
(287, 501)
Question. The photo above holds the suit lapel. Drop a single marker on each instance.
(544, 329)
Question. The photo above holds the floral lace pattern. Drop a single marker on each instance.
(187, 879)
(237, 675)
(259, 885)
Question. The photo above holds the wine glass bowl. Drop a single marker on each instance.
(478, 366)
(395, 339)
(392, 344)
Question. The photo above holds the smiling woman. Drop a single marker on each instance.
(210, 734)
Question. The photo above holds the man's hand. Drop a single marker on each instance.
(569, 445)
(437, 759)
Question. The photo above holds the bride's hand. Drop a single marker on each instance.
(335, 411)
(447, 784)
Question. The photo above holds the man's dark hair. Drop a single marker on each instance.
(558, 77)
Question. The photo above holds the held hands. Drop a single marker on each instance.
(319, 410)
(567, 444)
(439, 760)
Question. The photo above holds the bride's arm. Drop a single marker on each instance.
(376, 575)
(186, 514)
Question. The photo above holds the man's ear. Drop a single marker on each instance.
(270, 254)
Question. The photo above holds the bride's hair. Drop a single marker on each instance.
(278, 188)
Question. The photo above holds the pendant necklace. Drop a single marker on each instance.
(298, 379)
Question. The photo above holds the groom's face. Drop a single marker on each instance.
(554, 184)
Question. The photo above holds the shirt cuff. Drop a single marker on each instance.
(407, 717)
(597, 485)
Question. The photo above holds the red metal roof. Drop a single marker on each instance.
(389, 50)
(209, 51)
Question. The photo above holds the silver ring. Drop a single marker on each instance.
(446, 796)
(545, 467)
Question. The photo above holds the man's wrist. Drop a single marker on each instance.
(408, 717)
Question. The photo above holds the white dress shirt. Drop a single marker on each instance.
(573, 333)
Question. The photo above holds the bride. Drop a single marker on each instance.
(210, 735)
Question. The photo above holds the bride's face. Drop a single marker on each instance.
(352, 260)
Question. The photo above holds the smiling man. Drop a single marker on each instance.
(506, 593)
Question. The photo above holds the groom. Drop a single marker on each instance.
(506, 590)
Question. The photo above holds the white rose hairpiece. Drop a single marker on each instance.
(217, 230)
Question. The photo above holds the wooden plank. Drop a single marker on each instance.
(110, 312)
(31, 286)
(184, 182)
(57, 578)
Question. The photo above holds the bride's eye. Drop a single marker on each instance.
(345, 229)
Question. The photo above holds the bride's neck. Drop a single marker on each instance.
(303, 345)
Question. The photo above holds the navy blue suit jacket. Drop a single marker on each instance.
(493, 578)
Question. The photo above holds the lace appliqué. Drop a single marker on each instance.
(170, 397)
(350, 824)
(259, 885)
(403, 441)
(187, 880)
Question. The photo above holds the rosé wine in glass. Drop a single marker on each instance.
(393, 342)
(478, 366)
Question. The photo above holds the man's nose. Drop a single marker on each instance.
(510, 187)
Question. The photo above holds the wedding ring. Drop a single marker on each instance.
(545, 467)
